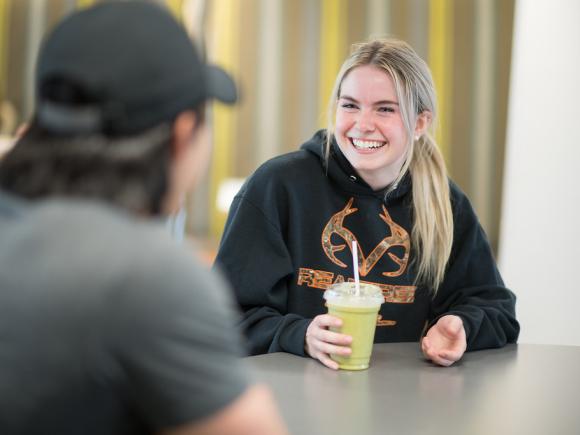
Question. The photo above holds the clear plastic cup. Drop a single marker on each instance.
(359, 320)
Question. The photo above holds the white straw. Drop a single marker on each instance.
(355, 267)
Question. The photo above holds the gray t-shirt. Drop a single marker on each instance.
(106, 325)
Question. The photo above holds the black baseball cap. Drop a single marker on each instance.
(134, 65)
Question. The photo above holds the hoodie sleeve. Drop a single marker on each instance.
(254, 258)
(473, 288)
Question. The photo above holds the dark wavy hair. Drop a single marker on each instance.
(131, 172)
(128, 171)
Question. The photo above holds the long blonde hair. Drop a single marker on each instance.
(432, 233)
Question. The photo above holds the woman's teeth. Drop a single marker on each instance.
(367, 144)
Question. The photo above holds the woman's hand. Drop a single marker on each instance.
(320, 342)
(445, 342)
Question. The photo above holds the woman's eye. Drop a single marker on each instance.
(386, 110)
(348, 106)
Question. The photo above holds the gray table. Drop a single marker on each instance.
(520, 389)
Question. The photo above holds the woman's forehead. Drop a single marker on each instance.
(368, 82)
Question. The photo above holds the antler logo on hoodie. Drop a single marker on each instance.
(399, 237)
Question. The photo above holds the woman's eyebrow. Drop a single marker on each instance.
(376, 103)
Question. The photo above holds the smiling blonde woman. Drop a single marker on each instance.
(374, 176)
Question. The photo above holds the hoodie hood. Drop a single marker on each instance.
(341, 172)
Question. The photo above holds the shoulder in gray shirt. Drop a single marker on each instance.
(106, 325)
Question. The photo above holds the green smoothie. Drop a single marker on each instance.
(359, 319)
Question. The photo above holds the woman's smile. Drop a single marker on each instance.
(367, 144)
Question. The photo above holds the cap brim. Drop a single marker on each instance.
(220, 85)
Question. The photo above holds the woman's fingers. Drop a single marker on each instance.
(327, 321)
(322, 333)
(322, 351)
(442, 361)
(442, 358)
(425, 344)
(333, 337)
(428, 350)
(445, 342)
(328, 348)
(325, 359)
(437, 358)
(451, 355)
(320, 342)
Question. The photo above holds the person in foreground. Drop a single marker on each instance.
(106, 325)
(374, 176)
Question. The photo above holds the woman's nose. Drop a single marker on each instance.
(365, 121)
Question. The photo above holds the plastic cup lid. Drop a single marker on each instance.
(346, 292)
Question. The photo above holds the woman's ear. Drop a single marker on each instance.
(423, 123)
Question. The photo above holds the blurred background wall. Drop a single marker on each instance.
(540, 237)
(285, 55)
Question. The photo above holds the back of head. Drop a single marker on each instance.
(110, 81)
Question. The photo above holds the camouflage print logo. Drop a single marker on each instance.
(398, 237)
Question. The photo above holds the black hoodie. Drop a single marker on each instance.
(288, 236)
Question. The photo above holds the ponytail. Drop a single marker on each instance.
(432, 234)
